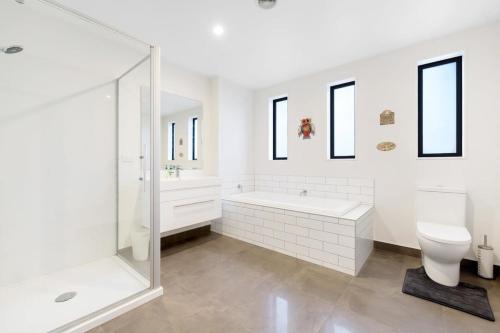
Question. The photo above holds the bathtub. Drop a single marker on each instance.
(333, 233)
(312, 205)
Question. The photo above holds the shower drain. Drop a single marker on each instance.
(65, 297)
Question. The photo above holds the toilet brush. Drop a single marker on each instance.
(485, 260)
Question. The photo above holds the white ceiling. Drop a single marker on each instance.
(296, 37)
(171, 103)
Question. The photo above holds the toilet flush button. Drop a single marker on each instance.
(65, 297)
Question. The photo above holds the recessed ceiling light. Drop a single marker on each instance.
(266, 4)
(218, 30)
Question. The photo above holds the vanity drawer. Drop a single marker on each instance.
(182, 213)
(183, 194)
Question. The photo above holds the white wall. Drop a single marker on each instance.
(57, 141)
(234, 105)
(182, 120)
(390, 81)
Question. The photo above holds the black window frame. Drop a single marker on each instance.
(276, 101)
(194, 130)
(172, 129)
(332, 120)
(459, 106)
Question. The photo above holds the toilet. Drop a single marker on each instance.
(441, 232)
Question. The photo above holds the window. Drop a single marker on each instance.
(193, 142)
(342, 104)
(171, 141)
(440, 108)
(279, 128)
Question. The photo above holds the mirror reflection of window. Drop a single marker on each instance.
(171, 141)
(181, 132)
(193, 139)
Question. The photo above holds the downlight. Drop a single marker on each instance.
(266, 4)
(11, 49)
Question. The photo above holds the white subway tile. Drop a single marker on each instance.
(274, 242)
(274, 225)
(264, 215)
(361, 182)
(254, 237)
(285, 218)
(264, 231)
(296, 230)
(315, 180)
(293, 191)
(324, 256)
(285, 252)
(324, 236)
(279, 178)
(367, 190)
(349, 189)
(325, 188)
(285, 236)
(309, 259)
(247, 227)
(346, 262)
(253, 220)
(309, 242)
(316, 194)
(308, 223)
(337, 195)
(337, 181)
(296, 179)
(296, 248)
(237, 217)
(339, 250)
(368, 199)
(339, 229)
(347, 241)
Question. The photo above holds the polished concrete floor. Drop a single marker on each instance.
(218, 284)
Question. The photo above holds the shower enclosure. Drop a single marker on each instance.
(79, 134)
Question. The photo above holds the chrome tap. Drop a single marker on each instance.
(177, 171)
(303, 193)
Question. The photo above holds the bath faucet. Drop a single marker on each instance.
(303, 193)
(177, 171)
(240, 188)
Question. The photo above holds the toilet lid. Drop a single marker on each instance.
(444, 233)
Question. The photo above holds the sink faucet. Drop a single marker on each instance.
(177, 171)
(303, 193)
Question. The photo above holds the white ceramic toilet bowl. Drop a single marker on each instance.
(443, 247)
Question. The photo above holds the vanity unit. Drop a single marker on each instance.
(188, 202)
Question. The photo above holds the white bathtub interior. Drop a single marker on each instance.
(312, 205)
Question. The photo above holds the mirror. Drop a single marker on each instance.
(181, 132)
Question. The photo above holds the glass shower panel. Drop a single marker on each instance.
(73, 124)
(134, 114)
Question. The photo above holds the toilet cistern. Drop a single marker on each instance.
(441, 232)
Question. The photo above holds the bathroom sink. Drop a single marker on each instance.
(175, 183)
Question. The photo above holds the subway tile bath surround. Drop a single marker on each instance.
(342, 243)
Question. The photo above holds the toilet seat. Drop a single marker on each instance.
(442, 233)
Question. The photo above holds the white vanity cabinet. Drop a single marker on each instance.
(187, 203)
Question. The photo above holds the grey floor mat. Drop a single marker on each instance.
(464, 297)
